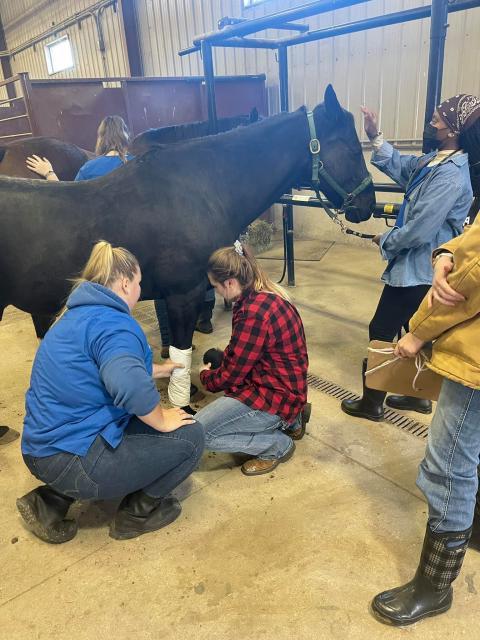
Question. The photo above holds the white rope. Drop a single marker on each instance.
(179, 385)
(420, 363)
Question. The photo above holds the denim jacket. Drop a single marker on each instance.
(434, 214)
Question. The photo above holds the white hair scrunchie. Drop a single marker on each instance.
(237, 245)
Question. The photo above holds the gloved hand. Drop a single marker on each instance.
(214, 357)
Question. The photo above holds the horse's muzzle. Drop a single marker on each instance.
(353, 214)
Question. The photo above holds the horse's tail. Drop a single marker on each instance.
(3, 151)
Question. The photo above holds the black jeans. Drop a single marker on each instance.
(395, 308)
(145, 459)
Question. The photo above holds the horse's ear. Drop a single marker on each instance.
(254, 115)
(332, 105)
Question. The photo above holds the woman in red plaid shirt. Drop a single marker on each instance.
(263, 370)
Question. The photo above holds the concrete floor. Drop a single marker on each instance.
(297, 554)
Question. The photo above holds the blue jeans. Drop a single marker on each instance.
(145, 459)
(448, 473)
(234, 427)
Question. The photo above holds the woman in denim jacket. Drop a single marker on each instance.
(438, 195)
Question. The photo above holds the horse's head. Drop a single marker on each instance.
(343, 174)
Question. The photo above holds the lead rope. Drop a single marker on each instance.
(420, 363)
(335, 219)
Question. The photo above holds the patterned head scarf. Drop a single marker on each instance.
(460, 112)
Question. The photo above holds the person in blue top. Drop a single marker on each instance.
(94, 427)
(438, 195)
(111, 148)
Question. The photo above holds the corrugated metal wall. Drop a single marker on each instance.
(384, 68)
(26, 19)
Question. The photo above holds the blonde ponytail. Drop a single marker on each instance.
(106, 264)
(239, 262)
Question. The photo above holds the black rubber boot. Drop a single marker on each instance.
(7, 434)
(430, 592)
(475, 538)
(44, 511)
(204, 322)
(139, 513)
(370, 405)
(408, 403)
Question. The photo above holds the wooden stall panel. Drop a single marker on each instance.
(237, 95)
(159, 102)
(72, 109)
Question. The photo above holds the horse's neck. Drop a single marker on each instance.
(258, 163)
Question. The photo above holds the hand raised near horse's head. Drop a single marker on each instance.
(370, 122)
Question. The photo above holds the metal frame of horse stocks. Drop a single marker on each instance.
(232, 34)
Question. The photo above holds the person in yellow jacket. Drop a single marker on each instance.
(449, 315)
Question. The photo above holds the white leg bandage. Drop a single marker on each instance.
(179, 385)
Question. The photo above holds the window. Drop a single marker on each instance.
(251, 3)
(59, 55)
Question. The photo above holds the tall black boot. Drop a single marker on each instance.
(475, 539)
(139, 513)
(44, 511)
(204, 321)
(430, 592)
(370, 405)
(409, 403)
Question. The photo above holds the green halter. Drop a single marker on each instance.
(319, 172)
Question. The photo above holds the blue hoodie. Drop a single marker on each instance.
(92, 372)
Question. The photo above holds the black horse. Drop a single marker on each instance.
(172, 207)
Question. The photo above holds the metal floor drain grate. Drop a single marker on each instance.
(415, 428)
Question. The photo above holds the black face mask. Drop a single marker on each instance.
(430, 142)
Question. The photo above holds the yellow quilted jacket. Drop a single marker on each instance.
(456, 330)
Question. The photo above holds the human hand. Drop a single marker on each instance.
(408, 346)
(370, 122)
(165, 369)
(42, 166)
(205, 367)
(441, 291)
(376, 239)
(173, 419)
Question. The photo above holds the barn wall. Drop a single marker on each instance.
(26, 19)
(385, 68)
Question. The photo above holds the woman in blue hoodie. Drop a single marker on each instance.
(94, 427)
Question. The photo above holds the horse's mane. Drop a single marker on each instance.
(229, 136)
(189, 130)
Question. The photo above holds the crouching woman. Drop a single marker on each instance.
(94, 427)
(263, 370)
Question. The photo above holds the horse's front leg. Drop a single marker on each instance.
(183, 310)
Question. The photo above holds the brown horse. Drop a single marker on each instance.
(66, 158)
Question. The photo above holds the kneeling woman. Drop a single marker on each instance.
(94, 427)
(263, 370)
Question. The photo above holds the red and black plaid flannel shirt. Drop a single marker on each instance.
(265, 364)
